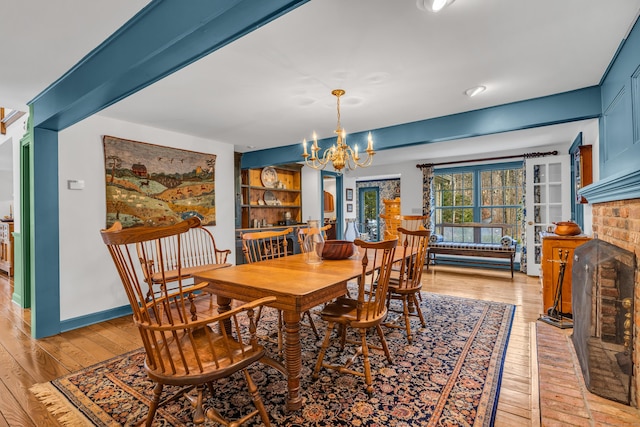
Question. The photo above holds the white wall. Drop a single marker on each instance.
(6, 192)
(88, 279)
(591, 136)
(10, 167)
(311, 190)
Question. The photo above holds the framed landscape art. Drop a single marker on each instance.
(149, 184)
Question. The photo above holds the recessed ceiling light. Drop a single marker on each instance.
(473, 91)
(433, 5)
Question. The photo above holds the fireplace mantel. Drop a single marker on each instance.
(621, 186)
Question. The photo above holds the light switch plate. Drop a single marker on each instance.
(75, 184)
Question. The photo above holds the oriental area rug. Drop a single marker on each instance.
(449, 376)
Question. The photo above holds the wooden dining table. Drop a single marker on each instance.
(297, 286)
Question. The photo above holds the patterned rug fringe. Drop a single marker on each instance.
(59, 406)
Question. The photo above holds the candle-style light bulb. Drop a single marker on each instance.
(356, 150)
(315, 141)
(304, 146)
(370, 143)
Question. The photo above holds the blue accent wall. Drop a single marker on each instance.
(549, 110)
(620, 122)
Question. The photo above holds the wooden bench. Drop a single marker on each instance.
(472, 239)
(198, 252)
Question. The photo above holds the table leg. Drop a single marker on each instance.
(224, 304)
(293, 358)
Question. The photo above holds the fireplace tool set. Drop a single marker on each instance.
(555, 316)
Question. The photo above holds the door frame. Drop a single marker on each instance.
(361, 208)
(338, 200)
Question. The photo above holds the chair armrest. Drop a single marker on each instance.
(200, 322)
(222, 254)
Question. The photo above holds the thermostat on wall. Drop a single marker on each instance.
(75, 184)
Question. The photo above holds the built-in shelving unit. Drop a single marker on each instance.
(272, 197)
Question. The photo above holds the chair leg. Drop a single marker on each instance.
(365, 360)
(257, 399)
(418, 310)
(407, 320)
(157, 392)
(383, 341)
(323, 350)
(196, 403)
(313, 325)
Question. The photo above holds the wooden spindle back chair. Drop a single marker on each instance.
(406, 283)
(186, 342)
(264, 245)
(365, 312)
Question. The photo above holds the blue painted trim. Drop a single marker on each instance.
(90, 319)
(621, 186)
(549, 110)
(45, 296)
(577, 210)
(162, 38)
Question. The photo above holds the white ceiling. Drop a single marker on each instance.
(397, 64)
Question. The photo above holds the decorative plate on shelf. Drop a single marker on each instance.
(270, 198)
(269, 177)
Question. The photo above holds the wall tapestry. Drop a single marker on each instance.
(153, 185)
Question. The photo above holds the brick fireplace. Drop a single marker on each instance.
(618, 222)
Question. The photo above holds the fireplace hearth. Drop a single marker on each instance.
(603, 278)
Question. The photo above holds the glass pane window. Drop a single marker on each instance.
(484, 193)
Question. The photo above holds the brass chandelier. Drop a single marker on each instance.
(340, 154)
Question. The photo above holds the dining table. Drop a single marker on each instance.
(297, 286)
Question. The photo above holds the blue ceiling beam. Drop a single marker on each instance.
(162, 38)
(564, 107)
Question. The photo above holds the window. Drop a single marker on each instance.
(485, 193)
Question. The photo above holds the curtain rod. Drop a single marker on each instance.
(525, 155)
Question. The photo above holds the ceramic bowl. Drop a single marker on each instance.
(337, 249)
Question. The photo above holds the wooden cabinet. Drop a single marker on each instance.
(6, 247)
(552, 247)
(271, 196)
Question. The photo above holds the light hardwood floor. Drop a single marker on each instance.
(25, 361)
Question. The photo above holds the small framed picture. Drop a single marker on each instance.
(349, 207)
(349, 194)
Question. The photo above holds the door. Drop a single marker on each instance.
(548, 200)
(369, 212)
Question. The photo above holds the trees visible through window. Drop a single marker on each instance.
(486, 193)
